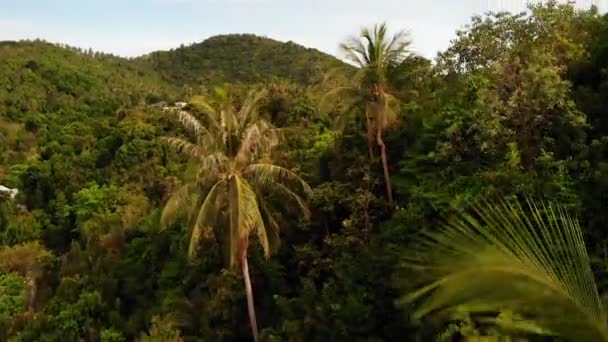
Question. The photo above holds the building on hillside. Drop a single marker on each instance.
(160, 104)
(176, 106)
(12, 193)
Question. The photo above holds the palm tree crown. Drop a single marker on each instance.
(377, 55)
(234, 176)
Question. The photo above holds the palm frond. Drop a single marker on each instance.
(245, 217)
(248, 112)
(348, 99)
(288, 194)
(355, 51)
(183, 146)
(211, 166)
(398, 48)
(202, 105)
(270, 223)
(190, 123)
(336, 75)
(265, 174)
(177, 204)
(256, 140)
(203, 227)
(331, 99)
(531, 262)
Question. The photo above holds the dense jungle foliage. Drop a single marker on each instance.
(300, 194)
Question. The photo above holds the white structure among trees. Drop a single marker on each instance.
(12, 193)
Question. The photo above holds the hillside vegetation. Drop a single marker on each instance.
(243, 58)
(400, 199)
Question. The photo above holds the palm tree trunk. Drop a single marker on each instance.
(370, 138)
(387, 177)
(249, 294)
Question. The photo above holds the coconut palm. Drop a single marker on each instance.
(378, 57)
(234, 177)
(529, 265)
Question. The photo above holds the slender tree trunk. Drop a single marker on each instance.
(370, 137)
(249, 294)
(387, 177)
(32, 291)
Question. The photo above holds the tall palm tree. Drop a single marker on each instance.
(234, 177)
(529, 264)
(378, 57)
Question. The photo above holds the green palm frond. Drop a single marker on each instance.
(193, 151)
(272, 227)
(354, 51)
(245, 217)
(398, 48)
(177, 204)
(288, 194)
(248, 112)
(529, 261)
(211, 116)
(203, 227)
(349, 99)
(265, 174)
(211, 166)
(190, 123)
(331, 99)
(256, 140)
(200, 104)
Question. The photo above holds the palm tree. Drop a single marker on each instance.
(234, 177)
(528, 265)
(378, 58)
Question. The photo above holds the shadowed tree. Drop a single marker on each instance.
(234, 180)
(378, 57)
(527, 267)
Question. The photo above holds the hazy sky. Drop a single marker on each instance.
(134, 27)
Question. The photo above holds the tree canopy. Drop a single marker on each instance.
(153, 192)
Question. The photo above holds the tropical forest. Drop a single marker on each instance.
(248, 189)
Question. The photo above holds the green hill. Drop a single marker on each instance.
(243, 58)
(50, 92)
(36, 76)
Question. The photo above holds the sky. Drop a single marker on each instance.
(135, 27)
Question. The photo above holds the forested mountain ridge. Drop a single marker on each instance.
(39, 75)
(46, 86)
(47, 89)
(240, 58)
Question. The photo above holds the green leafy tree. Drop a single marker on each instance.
(28, 260)
(162, 329)
(234, 176)
(12, 299)
(528, 266)
(378, 57)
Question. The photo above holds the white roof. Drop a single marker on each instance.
(12, 192)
